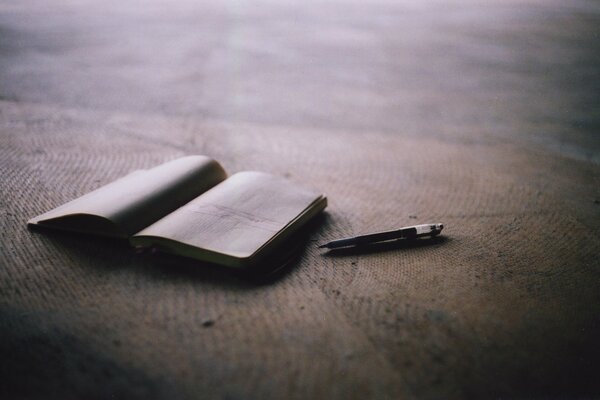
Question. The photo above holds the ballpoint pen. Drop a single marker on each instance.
(409, 232)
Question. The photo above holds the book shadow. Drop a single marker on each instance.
(178, 267)
(110, 254)
(278, 264)
(389, 246)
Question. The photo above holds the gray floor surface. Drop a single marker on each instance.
(483, 116)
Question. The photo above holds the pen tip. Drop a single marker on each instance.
(322, 246)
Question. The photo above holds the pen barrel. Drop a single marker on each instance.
(409, 232)
(405, 233)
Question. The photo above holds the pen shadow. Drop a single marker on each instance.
(383, 247)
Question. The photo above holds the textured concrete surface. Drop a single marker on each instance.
(481, 116)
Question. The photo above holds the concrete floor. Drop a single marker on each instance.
(481, 116)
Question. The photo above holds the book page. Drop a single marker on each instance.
(135, 201)
(235, 218)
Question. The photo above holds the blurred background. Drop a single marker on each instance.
(423, 68)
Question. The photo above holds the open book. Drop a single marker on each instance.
(189, 207)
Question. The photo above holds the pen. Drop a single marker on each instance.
(409, 232)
